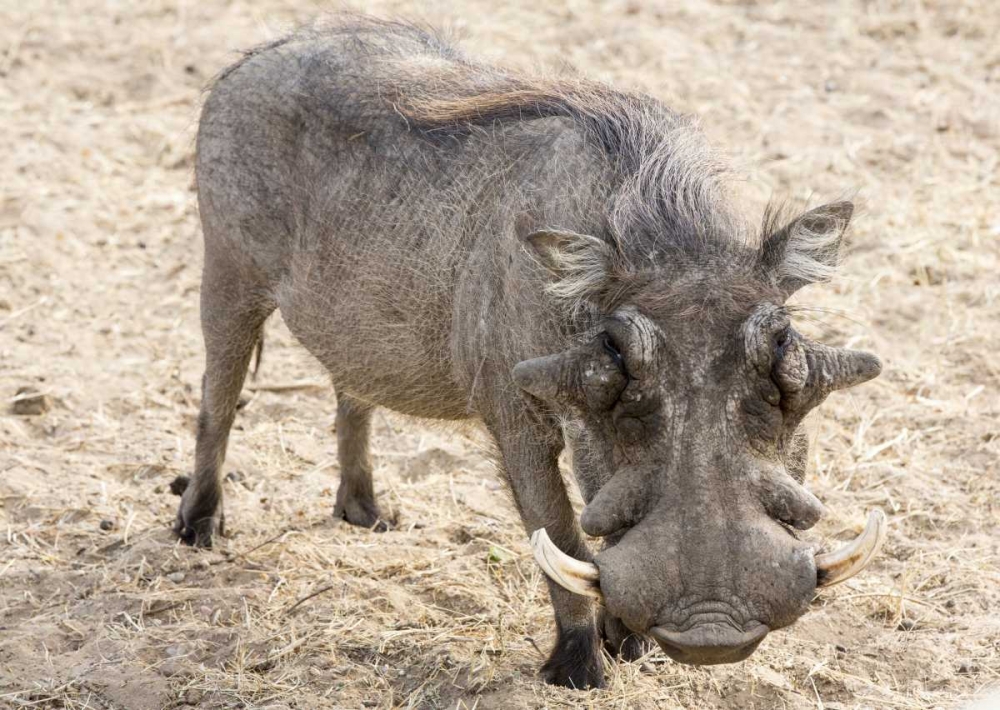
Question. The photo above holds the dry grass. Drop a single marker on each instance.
(98, 293)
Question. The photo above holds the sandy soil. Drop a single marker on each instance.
(895, 100)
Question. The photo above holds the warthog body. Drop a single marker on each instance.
(557, 259)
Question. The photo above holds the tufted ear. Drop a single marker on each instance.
(807, 249)
(580, 263)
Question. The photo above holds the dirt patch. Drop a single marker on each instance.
(100, 363)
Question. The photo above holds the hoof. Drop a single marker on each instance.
(363, 513)
(199, 533)
(620, 642)
(199, 521)
(575, 662)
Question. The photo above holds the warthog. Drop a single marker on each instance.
(561, 261)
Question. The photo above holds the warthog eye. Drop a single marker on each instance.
(782, 340)
(771, 390)
(616, 356)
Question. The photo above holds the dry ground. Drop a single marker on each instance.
(99, 273)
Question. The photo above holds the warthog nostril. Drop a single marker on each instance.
(707, 644)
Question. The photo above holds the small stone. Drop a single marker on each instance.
(193, 697)
(107, 525)
(29, 402)
(906, 625)
(176, 577)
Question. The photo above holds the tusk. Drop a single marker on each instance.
(839, 566)
(570, 574)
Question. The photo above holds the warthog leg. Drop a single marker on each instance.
(529, 454)
(356, 494)
(232, 316)
(619, 640)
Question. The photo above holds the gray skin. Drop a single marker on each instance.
(556, 259)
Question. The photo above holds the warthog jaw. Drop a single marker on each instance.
(831, 567)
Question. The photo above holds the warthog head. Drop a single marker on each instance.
(683, 404)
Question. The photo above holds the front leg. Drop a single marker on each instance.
(620, 641)
(529, 452)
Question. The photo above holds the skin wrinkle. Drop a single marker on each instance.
(730, 611)
(380, 188)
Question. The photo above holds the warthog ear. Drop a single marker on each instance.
(807, 249)
(581, 263)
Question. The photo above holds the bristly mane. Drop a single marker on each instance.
(668, 199)
(672, 190)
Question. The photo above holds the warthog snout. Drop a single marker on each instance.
(654, 596)
(709, 643)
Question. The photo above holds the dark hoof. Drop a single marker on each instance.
(575, 662)
(363, 513)
(622, 643)
(634, 647)
(200, 533)
(197, 524)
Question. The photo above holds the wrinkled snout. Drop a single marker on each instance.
(709, 643)
(708, 595)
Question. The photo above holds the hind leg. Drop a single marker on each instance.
(232, 316)
(356, 494)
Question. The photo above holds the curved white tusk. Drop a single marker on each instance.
(570, 574)
(840, 565)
